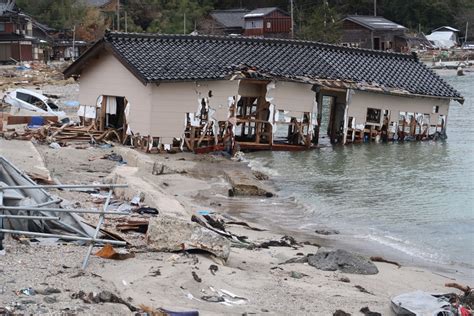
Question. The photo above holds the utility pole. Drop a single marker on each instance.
(375, 7)
(465, 34)
(184, 23)
(73, 42)
(118, 15)
(126, 22)
(292, 20)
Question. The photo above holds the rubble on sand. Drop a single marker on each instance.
(342, 260)
(62, 134)
(166, 233)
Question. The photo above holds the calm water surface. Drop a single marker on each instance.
(408, 198)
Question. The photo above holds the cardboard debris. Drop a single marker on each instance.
(108, 252)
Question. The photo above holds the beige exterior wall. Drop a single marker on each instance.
(169, 104)
(171, 101)
(292, 96)
(361, 100)
(107, 76)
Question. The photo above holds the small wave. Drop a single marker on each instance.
(403, 246)
(257, 165)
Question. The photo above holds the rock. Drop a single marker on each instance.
(296, 260)
(297, 275)
(340, 312)
(332, 260)
(50, 299)
(48, 291)
(166, 233)
(367, 312)
(244, 184)
(327, 232)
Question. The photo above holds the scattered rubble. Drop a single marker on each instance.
(367, 312)
(63, 134)
(102, 297)
(108, 252)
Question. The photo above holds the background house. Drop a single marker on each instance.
(16, 36)
(222, 22)
(373, 32)
(444, 37)
(267, 22)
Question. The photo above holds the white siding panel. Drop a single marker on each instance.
(221, 91)
(292, 96)
(361, 100)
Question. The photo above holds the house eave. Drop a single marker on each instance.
(75, 69)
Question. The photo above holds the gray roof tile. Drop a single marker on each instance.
(157, 58)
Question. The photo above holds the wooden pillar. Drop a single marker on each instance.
(317, 129)
(102, 113)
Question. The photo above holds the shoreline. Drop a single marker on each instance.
(365, 245)
(190, 183)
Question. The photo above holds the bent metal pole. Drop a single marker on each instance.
(46, 218)
(63, 186)
(65, 237)
(97, 230)
(60, 210)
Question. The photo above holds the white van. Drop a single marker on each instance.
(33, 101)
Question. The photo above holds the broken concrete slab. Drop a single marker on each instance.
(166, 233)
(245, 184)
(342, 260)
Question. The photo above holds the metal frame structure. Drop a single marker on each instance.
(42, 208)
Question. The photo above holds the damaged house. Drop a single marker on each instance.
(199, 91)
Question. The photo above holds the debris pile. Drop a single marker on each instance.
(62, 134)
(35, 73)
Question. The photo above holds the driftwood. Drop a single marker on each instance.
(246, 225)
(40, 179)
(380, 259)
(464, 288)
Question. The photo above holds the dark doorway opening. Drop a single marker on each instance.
(377, 43)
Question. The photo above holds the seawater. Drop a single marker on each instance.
(412, 198)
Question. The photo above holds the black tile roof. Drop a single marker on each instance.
(155, 58)
(376, 23)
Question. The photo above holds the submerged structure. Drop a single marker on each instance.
(265, 93)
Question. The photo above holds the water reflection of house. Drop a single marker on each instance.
(374, 32)
(273, 94)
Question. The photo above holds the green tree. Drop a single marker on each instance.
(320, 23)
(59, 14)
